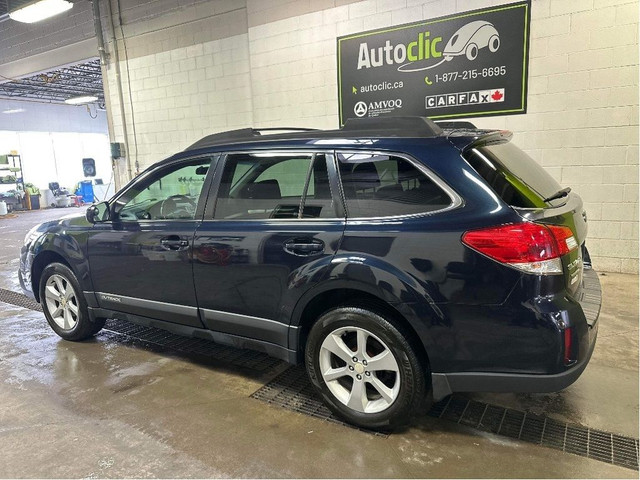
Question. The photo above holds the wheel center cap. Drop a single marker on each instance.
(359, 368)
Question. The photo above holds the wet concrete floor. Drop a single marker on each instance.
(110, 407)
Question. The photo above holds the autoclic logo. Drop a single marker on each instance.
(466, 41)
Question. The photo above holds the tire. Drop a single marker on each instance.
(494, 43)
(471, 51)
(361, 392)
(64, 305)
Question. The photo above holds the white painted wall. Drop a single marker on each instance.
(53, 139)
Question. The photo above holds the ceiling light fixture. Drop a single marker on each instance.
(14, 110)
(81, 100)
(39, 10)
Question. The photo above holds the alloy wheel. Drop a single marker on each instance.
(359, 369)
(61, 302)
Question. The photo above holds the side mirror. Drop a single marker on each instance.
(98, 213)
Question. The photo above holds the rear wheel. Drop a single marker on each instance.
(494, 43)
(365, 369)
(64, 305)
(471, 51)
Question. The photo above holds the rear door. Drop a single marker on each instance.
(276, 225)
(140, 260)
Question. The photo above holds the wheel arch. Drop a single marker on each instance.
(40, 262)
(335, 294)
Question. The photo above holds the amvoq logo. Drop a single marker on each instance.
(378, 106)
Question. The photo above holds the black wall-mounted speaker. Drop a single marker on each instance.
(89, 167)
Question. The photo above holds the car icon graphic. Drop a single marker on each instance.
(470, 38)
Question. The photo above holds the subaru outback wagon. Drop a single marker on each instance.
(399, 261)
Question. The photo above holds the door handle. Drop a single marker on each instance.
(174, 242)
(303, 248)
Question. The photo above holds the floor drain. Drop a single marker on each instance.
(250, 359)
(292, 390)
(570, 438)
(19, 300)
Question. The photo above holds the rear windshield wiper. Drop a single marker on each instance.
(559, 194)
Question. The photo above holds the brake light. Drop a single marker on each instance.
(527, 246)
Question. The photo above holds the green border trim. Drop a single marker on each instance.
(525, 56)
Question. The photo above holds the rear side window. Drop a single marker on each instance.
(386, 185)
(513, 175)
(274, 186)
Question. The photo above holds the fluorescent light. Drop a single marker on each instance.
(14, 110)
(81, 100)
(40, 10)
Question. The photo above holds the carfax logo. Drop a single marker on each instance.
(464, 98)
(376, 107)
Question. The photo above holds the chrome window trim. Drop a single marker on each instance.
(456, 200)
(329, 153)
(150, 171)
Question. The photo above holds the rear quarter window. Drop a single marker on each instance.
(387, 185)
(513, 175)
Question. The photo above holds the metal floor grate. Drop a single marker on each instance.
(292, 390)
(570, 438)
(197, 347)
(19, 300)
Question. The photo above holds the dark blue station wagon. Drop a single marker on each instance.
(399, 261)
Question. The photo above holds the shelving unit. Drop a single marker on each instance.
(12, 167)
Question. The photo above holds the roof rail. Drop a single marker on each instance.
(242, 134)
(285, 129)
(408, 126)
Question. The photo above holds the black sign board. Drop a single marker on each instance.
(462, 65)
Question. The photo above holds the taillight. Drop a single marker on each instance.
(527, 246)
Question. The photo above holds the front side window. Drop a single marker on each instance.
(387, 185)
(274, 186)
(170, 194)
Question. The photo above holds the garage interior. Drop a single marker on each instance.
(141, 402)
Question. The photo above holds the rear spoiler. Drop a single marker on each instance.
(465, 140)
(465, 135)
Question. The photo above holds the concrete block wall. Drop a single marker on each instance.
(193, 67)
(183, 75)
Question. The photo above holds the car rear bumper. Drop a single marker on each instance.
(444, 384)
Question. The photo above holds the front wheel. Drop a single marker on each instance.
(64, 305)
(365, 368)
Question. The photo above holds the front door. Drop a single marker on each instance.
(140, 260)
(275, 229)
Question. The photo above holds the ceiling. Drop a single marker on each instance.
(59, 84)
(5, 4)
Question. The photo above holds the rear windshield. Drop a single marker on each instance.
(515, 177)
